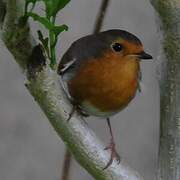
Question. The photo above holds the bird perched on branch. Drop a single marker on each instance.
(101, 74)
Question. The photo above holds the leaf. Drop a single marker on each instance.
(53, 6)
(44, 21)
(56, 29)
(44, 41)
(31, 1)
(27, 4)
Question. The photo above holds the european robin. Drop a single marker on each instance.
(101, 74)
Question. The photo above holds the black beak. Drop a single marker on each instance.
(144, 55)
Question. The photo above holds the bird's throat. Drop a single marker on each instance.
(106, 84)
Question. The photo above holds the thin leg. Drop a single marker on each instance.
(111, 147)
(110, 129)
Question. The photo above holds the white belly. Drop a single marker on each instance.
(92, 110)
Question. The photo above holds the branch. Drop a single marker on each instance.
(66, 165)
(100, 17)
(44, 87)
(169, 150)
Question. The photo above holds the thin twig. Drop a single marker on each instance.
(97, 27)
(66, 165)
(101, 15)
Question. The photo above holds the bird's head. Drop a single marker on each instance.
(114, 44)
(124, 44)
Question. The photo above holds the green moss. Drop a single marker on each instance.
(165, 11)
(169, 15)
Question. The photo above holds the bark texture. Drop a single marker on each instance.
(169, 150)
(44, 87)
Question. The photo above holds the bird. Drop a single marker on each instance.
(100, 74)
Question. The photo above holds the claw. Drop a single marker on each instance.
(71, 113)
(114, 155)
(78, 109)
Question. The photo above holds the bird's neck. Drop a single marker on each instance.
(126, 68)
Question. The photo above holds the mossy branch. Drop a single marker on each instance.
(42, 83)
(169, 150)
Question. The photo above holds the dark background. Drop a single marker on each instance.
(30, 148)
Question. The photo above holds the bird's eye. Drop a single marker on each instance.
(117, 47)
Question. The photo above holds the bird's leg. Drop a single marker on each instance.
(111, 147)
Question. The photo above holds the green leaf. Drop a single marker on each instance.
(53, 6)
(44, 41)
(58, 29)
(27, 4)
(44, 21)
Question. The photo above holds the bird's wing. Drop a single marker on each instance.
(65, 70)
(63, 66)
(85, 48)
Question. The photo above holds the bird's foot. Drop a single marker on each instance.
(71, 113)
(78, 109)
(114, 154)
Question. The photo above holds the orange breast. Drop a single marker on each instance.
(108, 83)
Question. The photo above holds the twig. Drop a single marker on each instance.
(101, 15)
(66, 165)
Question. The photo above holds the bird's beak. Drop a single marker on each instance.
(144, 55)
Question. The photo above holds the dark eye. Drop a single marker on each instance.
(117, 47)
